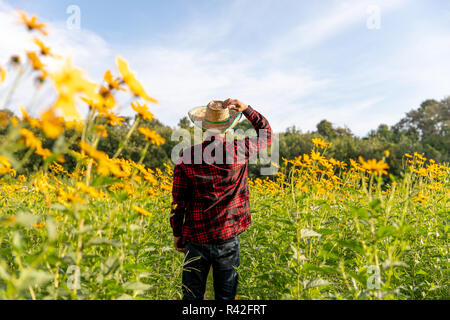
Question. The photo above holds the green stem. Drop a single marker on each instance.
(14, 86)
(89, 167)
(144, 152)
(124, 143)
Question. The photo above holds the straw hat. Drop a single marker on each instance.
(215, 117)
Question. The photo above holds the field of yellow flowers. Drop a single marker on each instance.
(322, 229)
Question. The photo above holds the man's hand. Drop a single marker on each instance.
(177, 242)
(235, 104)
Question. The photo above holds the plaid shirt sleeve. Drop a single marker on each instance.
(181, 198)
(263, 137)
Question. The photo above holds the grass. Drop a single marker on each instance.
(353, 241)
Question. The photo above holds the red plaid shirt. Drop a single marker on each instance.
(210, 196)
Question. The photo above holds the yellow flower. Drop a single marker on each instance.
(315, 156)
(374, 166)
(129, 78)
(321, 143)
(306, 158)
(113, 83)
(78, 155)
(39, 225)
(107, 98)
(34, 123)
(14, 121)
(101, 131)
(3, 119)
(44, 153)
(2, 74)
(105, 165)
(30, 139)
(5, 166)
(32, 142)
(113, 120)
(386, 153)
(421, 198)
(35, 62)
(74, 124)
(141, 211)
(40, 79)
(69, 83)
(91, 191)
(32, 23)
(56, 168)
(152, 135)
(143, 111)
(51, 124)
(94, 153)
(12, 172)
(422, 172)
(102, 102)
(45, 51)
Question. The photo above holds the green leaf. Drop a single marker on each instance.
(325, 254)
(3, 271)
(322, 269)
(375, 204)
(102, 181)
(298, 256)
(103, 241)
(17, 241)
(57, 206)
(360, 213)
(136, 286)
(315, 283)
(358, 277)
(308, 233)
(26, 219)
(352, 244)
(111, 265)
(138, 267)
(385, 231)
(324, 231)
(32, 277)
(51, 159)
(51, 230)
(121, 197)
(422, 272)
(388, 263)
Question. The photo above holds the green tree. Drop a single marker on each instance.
(325, 128)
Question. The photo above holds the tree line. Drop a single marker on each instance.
(424, 130)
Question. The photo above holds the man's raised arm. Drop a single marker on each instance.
(262, 127)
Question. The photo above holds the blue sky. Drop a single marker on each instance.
(298, 62)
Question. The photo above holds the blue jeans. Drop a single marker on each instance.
(224, 257)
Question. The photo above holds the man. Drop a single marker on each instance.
(211, 198)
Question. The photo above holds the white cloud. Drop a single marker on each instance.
(186, 73)
(334, 20)
(184, 79)
(85, 46)
(194, 67)
(181, 75)
(88, 51)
